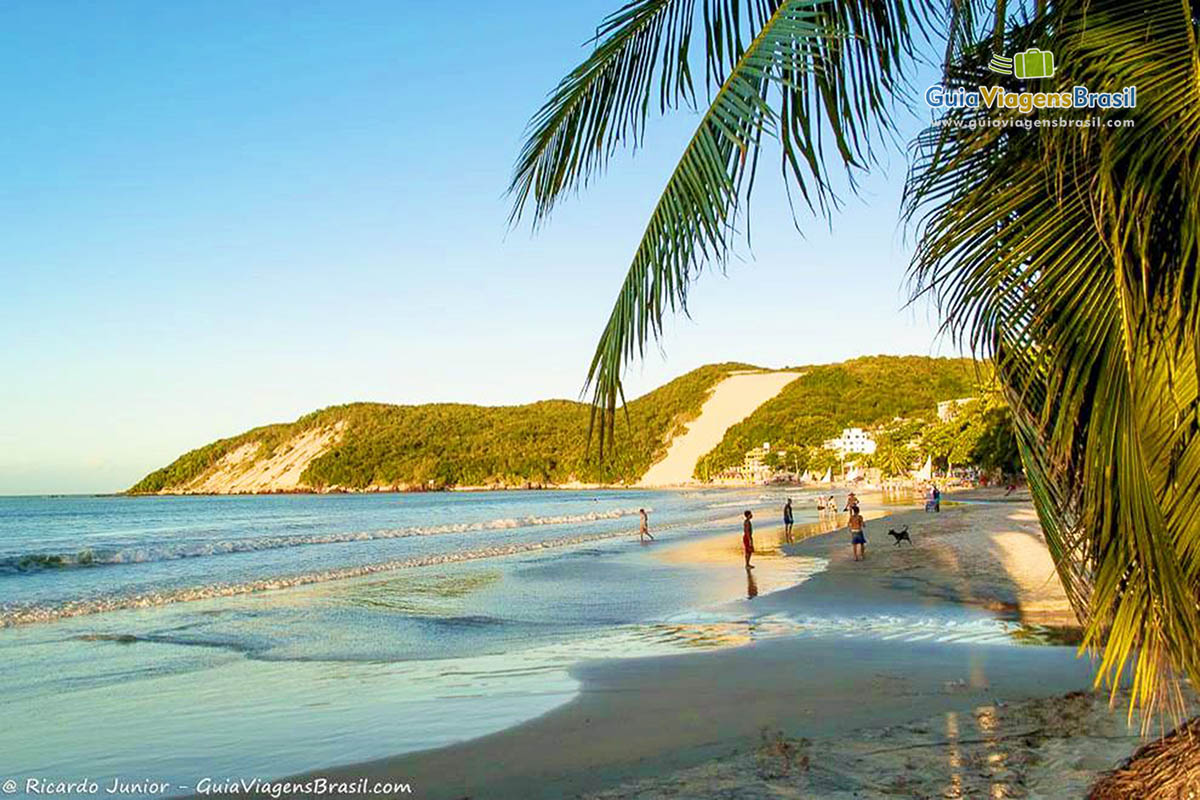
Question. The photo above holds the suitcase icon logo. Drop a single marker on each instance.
(1032, 63)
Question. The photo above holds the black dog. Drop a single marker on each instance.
(901, 536)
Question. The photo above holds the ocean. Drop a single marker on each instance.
(139, 643)
(402, 621)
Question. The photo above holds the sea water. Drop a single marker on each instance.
(139, 643)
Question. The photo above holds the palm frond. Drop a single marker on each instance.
(604, 102)
(692, 223)
(813, 68)
(1069, 256)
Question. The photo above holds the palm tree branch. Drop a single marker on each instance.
(604, 101)
(692, 223)
(1069, 256)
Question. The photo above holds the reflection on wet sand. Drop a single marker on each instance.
(751, 584)
(715, 634)
(1048, 747)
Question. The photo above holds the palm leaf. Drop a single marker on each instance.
(693, 220)
(1068, 255)
(604, 101)
(800, 72)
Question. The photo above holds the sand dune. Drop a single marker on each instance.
(734, 399)
(240, 471)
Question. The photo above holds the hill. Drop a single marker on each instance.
(858, 393)
(375, 446)
(364, 446)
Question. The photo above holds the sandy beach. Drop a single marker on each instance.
(982, 549)
(839, 713)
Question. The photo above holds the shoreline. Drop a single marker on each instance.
(982, 550)
(642, 724)
(529, 487)
(14, 616)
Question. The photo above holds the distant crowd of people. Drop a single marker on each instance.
(826, 504)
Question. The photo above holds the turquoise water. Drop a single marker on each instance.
(485, 603)
(504, 592)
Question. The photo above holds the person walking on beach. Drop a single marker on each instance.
(748, 539)
(851, 504)
(858, 536)
(787, 520)
(644, 530)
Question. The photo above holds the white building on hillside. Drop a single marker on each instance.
(753, 468)
(852, 440)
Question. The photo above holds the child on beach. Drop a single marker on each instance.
(644, 531)
(748, 539)
(858, 536)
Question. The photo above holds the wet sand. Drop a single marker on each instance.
(869, 713)
(645, 718)
(983, 549)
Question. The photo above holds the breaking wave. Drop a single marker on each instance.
(169, 551)
(11, 615)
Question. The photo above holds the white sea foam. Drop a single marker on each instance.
(11, 615)
(170, 551)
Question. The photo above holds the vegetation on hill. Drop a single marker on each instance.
(448, 444)
(196, 462)
(863, 392)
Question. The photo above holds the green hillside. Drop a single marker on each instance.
(448, 444)
(441, 445)
(859, 393)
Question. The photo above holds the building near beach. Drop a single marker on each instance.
(753, 468)
(852, 441)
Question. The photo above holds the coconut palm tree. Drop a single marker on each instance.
(1065, 255)
(892, 456)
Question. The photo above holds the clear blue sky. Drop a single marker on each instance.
(217, 215)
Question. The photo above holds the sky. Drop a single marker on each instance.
(217, 215)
